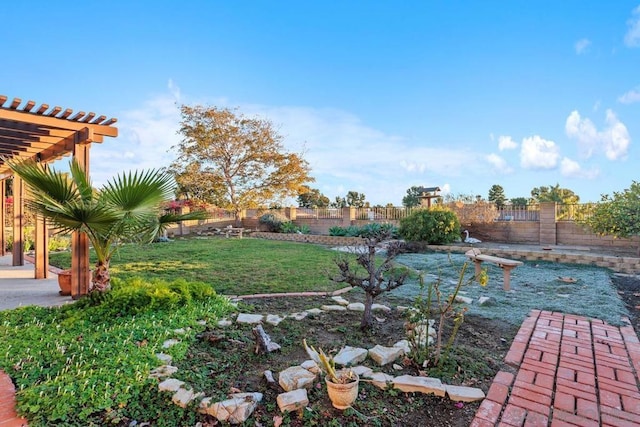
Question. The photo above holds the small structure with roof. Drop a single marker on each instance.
(45, 134)
(426, 194)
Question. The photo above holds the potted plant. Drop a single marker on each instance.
(342, 385)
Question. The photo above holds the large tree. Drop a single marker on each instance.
(496, 195)
(412, 198)
(127, 208)
(617, 215)
(233, 161)
(312, 198)
(554, 193)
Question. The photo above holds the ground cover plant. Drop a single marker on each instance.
(88, 363)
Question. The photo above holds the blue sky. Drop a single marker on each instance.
(379, 95)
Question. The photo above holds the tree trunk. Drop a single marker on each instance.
(101, 278)
(367, 319)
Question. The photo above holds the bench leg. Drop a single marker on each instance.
(506, 274)
(478, 267)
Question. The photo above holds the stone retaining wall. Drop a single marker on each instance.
(620, 264)
(310, 238)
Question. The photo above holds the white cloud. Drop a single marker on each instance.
(584, 131)
(613, 141)
(538, 153)
(499, 164)
(632, 37)
(506, 143)
(630, 97)
(146, 134)
(615, 137)
(582, 46)
(572, 169)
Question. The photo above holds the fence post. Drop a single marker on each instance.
(291, 213)
(548, 230)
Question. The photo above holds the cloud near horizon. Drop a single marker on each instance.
(613, 140)
(539, 153)
(630, 97)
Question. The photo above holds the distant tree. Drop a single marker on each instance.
(313, 198)
(463, 198)
(496, 195)
(356, 200)
(617, 215)
(519, 201)
(239, 161)
(339, 202)
(412, 198)
(554, 193)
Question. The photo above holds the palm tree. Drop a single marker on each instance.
(127, 208)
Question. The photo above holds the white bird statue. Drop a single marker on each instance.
(468, 239)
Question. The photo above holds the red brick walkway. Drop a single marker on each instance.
(571, 371)
(8, 416)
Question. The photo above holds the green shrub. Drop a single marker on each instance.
(273, 221)
(288, 227)
(337, 231)
(436, 226)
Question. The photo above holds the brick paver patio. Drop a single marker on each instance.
(571, 371)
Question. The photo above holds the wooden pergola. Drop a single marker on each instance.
(46, 134)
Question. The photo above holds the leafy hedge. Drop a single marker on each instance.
(435, 226)
(364, 231)
(88, 363)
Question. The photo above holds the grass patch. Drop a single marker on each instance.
(231, 266)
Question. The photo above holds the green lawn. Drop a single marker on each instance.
(231, 266)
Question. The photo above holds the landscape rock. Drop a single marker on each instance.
(300, 316)
(380, 307)
(333, 308)
(485, 300)
(355, 306)
(404, 345)
(340, 300)
(427, 385)
(235, 410)
(381, 380)
(249, 318)
(180, 331)
(163, 371)
(183, 397)
(170, 384)
(464, 394)
(363, 371)
(314, 311)
(169, 343)
(295, 377)
(164, 358)
(311, 366)
(223, 323)
(464, 300)
(350, 356)
(292, 400)
(385, 355)
(274, 319)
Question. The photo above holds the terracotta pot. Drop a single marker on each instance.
(343, 395)
(64, 281)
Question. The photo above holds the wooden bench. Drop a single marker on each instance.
(232, 232)
(504, 263)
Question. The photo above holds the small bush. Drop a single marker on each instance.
(436, 226)
(337, 231)
(273, 221)
(288, 227)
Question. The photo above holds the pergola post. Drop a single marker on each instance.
(3, 212)
(42, 248)
(18, 221)
(80, 269)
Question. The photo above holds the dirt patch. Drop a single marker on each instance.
(230, 363)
